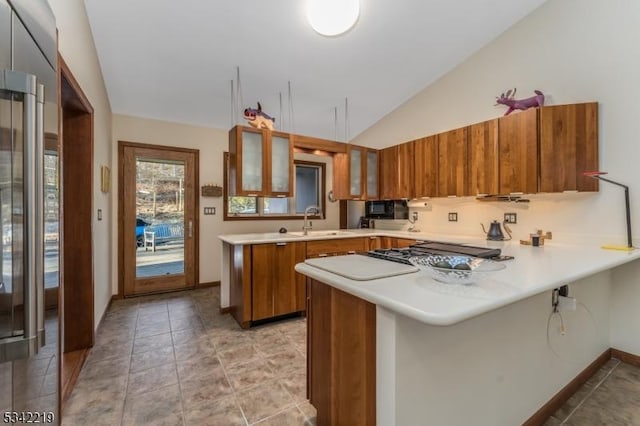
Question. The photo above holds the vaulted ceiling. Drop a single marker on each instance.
(174, 60)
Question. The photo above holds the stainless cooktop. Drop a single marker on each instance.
(427, 248)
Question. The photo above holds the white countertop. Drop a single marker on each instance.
(533, 271)
(275, 237)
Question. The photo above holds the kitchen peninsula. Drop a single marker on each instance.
(406, 349)
(423, 352)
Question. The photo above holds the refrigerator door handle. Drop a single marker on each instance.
(39, 215)
(23, 87)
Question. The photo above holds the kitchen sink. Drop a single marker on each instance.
(321, 233)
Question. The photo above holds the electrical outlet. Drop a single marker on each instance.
(511, 218)
(453, 217)
(414, 216)
(209, 210)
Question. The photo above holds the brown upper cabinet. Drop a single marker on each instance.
(260, 162)
(483, 158)
(425, 167)
(568, 146)
(518, 152)
(396, 171)
(355, 174)
(453, 163)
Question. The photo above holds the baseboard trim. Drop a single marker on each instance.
(209, 284)
(72, 366)
(225, 310)
(547, 410)
(626, 357)
(104, 314)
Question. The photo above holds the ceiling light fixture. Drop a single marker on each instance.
(333, 17)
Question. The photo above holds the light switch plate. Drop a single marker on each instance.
(511, 218)
(453, 216)
(209, 210)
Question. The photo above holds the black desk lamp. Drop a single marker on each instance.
(598, 175)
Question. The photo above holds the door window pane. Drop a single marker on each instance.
(159, 217)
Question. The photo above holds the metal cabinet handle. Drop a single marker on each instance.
(323, 255)
(281, 244)
(351, 252)
(190, 229)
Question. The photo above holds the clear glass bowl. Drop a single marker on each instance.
(452, 269)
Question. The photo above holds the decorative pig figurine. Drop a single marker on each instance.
(259, 119)
(508, 100)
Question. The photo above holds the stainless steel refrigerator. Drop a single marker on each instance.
(29, 344)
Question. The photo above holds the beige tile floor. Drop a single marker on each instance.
(610, 397)
(174, 360)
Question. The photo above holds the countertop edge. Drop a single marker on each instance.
(358, 289)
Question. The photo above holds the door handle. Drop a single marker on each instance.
(190, 229)
(39, 214)
(23, 88)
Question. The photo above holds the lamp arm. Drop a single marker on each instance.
(626, 200)
(611, 181)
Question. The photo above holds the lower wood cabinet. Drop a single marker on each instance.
(335, 247)
(341, 356)
(263, 281)
(277, 289)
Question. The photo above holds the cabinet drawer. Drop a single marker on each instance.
(340, 245)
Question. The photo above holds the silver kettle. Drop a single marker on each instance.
(495, 231)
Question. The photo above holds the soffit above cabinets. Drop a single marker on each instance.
(174, 61)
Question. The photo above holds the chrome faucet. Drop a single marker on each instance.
(308, 210)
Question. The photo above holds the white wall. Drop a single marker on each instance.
(574, 51)
(501, 367)
(77, 48)
(211, 143)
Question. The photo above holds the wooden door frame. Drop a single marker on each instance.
(196, 207)
(74, 103)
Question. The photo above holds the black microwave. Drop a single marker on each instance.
(386, 209)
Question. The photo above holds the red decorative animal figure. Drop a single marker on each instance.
(508, 100)
(259, 119)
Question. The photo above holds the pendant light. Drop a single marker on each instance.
(332, 17)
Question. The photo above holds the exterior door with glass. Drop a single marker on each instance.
(158, 213)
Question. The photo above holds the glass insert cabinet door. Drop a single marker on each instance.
(355, 172)
(372, 174)
(280, 165)
(252, 155)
